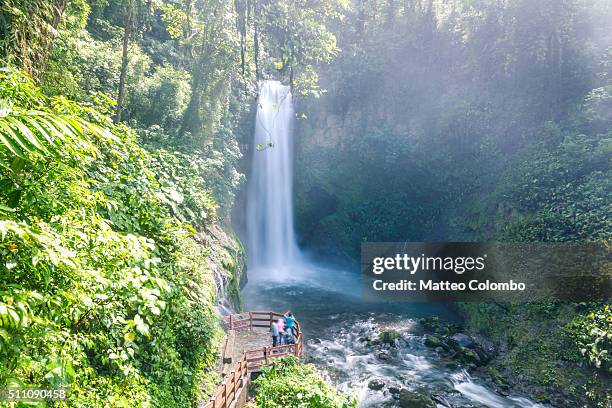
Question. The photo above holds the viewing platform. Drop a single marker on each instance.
(246, 348)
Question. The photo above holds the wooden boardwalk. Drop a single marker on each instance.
(248, 347)
(250, 340)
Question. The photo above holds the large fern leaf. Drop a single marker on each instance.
(26, 132)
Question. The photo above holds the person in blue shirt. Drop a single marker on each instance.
(289, 326)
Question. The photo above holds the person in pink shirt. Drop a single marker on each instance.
(280, 325)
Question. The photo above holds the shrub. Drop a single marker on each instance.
(591, 334)
(289, 384)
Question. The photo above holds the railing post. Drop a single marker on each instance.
(250, 320)
(266, 355)
(232, 387)
(230, 323)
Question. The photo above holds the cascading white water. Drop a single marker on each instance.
(270, 232)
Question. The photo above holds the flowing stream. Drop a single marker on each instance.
(326, 299)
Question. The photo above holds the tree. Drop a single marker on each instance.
(214, 66)
(127, 33)
(297, 38)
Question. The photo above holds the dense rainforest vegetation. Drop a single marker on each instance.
(120, 124)
(472, 121)
(123, 125)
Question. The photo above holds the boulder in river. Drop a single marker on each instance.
(389, 337)
(440, 399)
(432, 341)
(463, 340)
(431, 324)
(384, 355)
(470, 357)
(395, 389)
(376, 384)
(409, 399)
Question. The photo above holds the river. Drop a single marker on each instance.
(336, 322)
(327, 301)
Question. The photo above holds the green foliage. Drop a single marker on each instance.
(562, 186)
(175, 19)
(26, 30)
(288, 384)
(547, 344)
(296, 38)
(591, 335)
(159, 98)
(27, 132)
(80, 65)
(103, 286)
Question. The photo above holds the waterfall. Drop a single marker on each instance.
(271, 240)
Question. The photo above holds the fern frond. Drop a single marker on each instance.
(26, 132)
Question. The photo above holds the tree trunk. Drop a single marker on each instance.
(127, 31)
(59, 10)
(554, 77)
(187, 34)
(408, 8)
(241, 12)
(191, 115)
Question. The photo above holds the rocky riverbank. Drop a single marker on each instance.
(456, 350)
(385, 354)
(390, 361)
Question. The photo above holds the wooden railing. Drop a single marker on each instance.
(235, 383)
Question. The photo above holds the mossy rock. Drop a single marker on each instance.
(431, 324)
(495, 375)
(409, 399)
(433, 341)
(389, 336)
(376, 384)
(471, 357)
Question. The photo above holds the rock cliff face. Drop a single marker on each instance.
(227, 261)
(344, 154)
